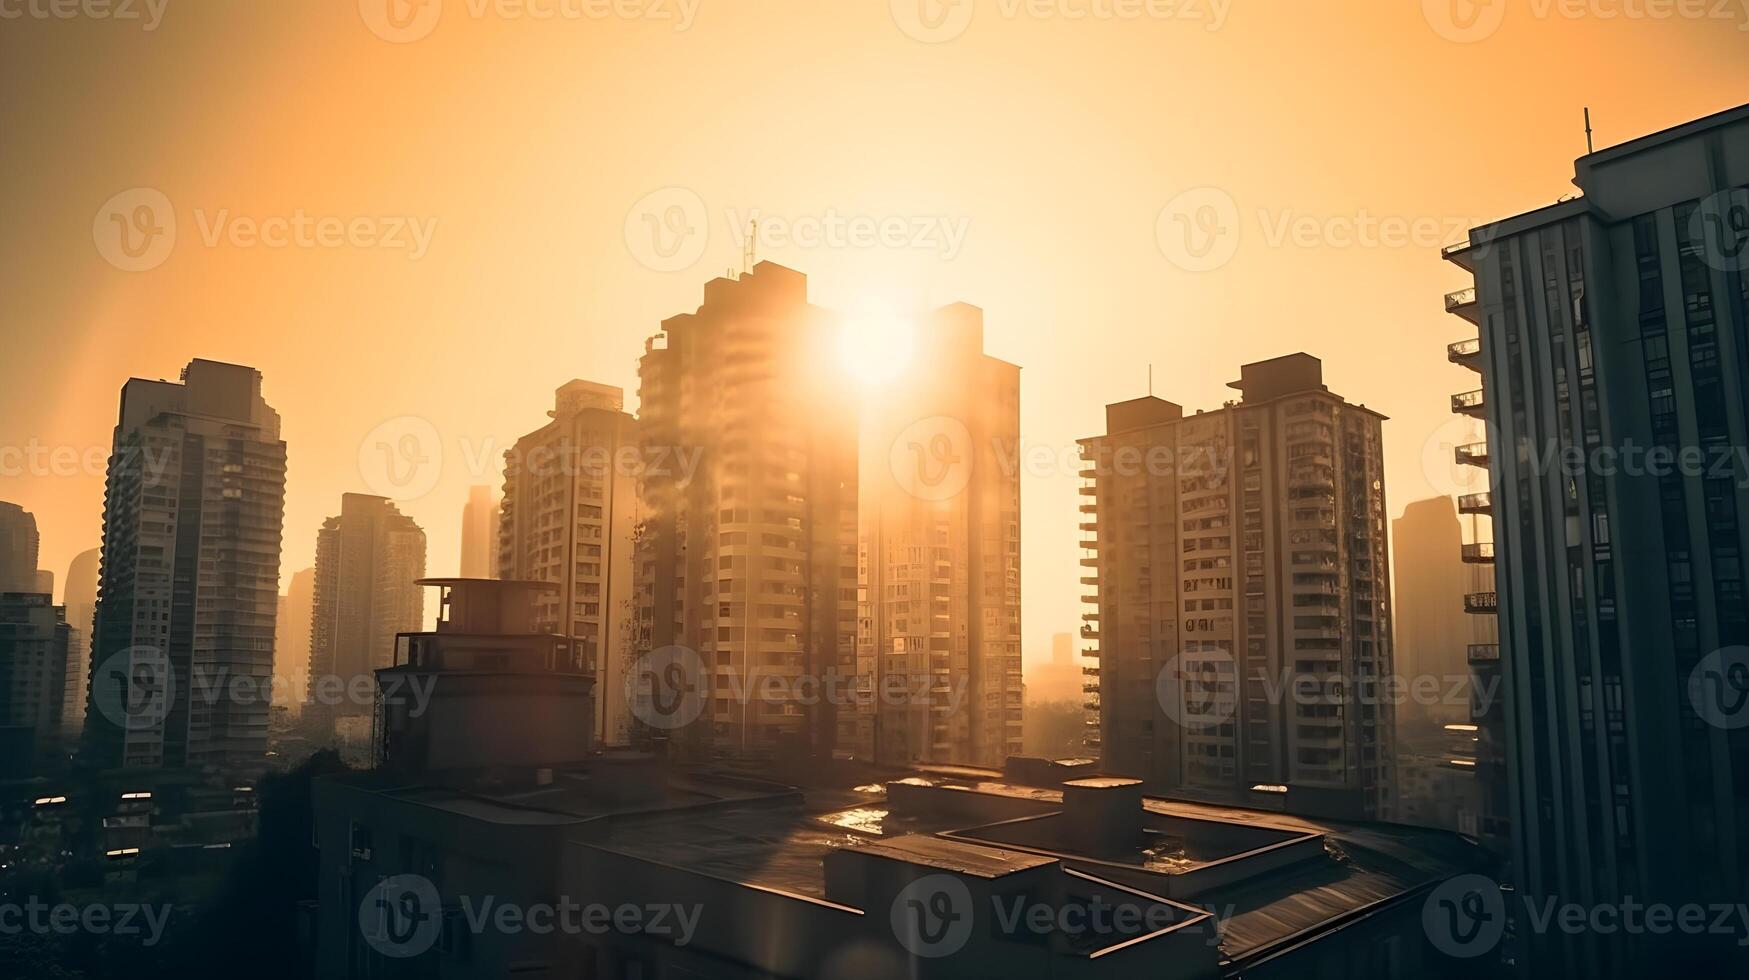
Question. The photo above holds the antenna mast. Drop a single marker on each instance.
(1588, 147)
(750, 255)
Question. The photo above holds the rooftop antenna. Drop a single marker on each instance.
(1150, 381)
(750, 256)
(1588, 147)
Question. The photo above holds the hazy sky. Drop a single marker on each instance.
(484, 170)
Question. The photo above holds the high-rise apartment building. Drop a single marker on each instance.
(747, 555)
(1241, 624)
(1612, 352)
(18, 549)
(368, 561)
(480, 534)
(34, 637)
(193, 509)
(568, 517)
(291, 641)
(939, 611)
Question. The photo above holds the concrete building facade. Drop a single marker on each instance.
(368, 560)
(569, 513)
(1241, 624)
(747, 555)
(1612, 335)
(194, 505)
(939, 557)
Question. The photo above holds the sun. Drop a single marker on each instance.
(876, 346)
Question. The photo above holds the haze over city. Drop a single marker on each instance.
(522, 144)
(874, 489)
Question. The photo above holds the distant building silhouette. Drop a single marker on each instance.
(81, 604)
(1612, 329)
(1233, 551)
(367, 561)
(1432, 631)
(1060, 678)
(34, 638)
(291, 641)
(18, 549)
(193, 508)
(480, 522)
(940, 539)
(749, 560)
(568, 517)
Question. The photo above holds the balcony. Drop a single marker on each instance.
(1091, 653)
(1466, 353)
(1089, 633)
(1091, 600)
(1463, 303)
(1090, 526)
(1089, 508)
(1481, 653)
(1481, 603)
(1090, 689)
(1471, 403)
(1090, 671)
(1475, 454)
(1461, 254)
(1480, 553)
(1089, 580)
(1476, 503)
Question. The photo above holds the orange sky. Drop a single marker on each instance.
(1051, 142)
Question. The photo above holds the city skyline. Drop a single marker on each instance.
(591, 302)
(874, 489)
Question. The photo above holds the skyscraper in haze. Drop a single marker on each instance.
(81, 603)
(291, 641)
(367, 561)
(568, 517)
(1233, 550)
(747, 556)
(480, 534)
(18, 549)
(1432, 631)
(193, 508)
(1612, 329)
(939, 617)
